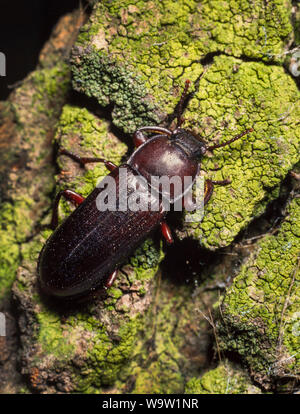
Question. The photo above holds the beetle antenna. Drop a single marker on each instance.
(181, 102)
(213, 147)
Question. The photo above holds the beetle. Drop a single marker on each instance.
(83, 253)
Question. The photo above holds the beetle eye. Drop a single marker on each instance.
(200, 152)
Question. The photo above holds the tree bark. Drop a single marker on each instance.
(177, 318)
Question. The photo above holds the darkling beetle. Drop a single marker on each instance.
(85, 251)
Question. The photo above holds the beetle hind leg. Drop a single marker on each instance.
(69, 195)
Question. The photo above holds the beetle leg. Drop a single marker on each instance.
(222, 182)
(111, 279)
(140, 138)
(180, 104)
(213, 147)
(209, 188)
(85, 160)
(166, 232)
(69, 195)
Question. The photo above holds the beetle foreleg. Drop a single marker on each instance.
(85, 160)
(166, 232)
(139, 138)
(69, 195)
(180, 104)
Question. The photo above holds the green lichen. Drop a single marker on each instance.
(296, 23)
(45, 89)
(119, 86)
(47, 81)
(102, 357)
(160, 377)
(162, 43)
(106, 356)
(163, 373)
(93, 138)
(36, 103)
(170, 347)
(260, 310)
(54, 337)
(225, 379)
(146, 257)
(232, 97)
(9, 255)
(100, 344)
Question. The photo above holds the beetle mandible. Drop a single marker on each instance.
(85, 251)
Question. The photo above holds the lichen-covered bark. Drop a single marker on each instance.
(143, 51)
(261, 308)
(152, 332)
(225, 379)
(141, 55)
(28, 119)
(86, 348)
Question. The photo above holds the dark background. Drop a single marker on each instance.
(24, 28)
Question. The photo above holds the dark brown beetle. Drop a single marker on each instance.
(85, 251)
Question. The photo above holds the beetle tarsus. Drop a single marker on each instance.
(209, 188)
(111, 279)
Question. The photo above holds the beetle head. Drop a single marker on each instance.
(194, 148)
